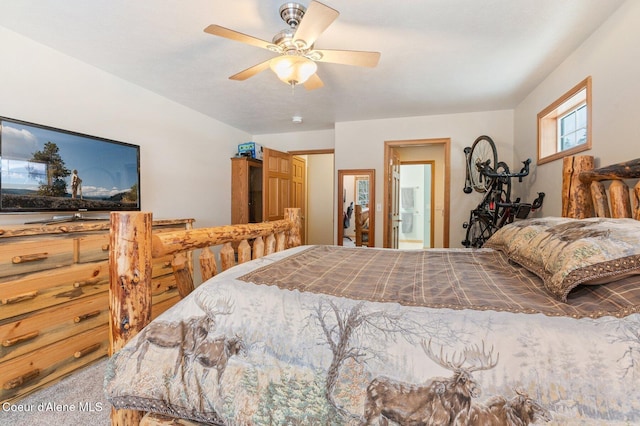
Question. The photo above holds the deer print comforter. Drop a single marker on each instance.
(239, 353)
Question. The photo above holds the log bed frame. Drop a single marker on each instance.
(132, 248)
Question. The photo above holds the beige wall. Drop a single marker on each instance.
(320, 200)
(298, 141)
(43, 86)
(612, 58)
(360, 145)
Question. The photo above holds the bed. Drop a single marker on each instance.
(540, 326)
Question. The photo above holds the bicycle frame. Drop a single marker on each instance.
(496, 209)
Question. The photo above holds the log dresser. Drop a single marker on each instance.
(54, 299)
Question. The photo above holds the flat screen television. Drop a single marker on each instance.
(44, 169)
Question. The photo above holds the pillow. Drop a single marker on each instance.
(567, 252)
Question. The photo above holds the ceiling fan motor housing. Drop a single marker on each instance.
(292, 13)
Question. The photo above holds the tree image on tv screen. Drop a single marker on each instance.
(132, 195)
(56, 186)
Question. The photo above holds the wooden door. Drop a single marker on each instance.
(394, 198)
(298, 191)
(277, 183)
(246, 190)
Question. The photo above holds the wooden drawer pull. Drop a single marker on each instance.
(19, 381)
(91, 281)
(86, 316)
(105, 247)
(29, 257)
(87, 350)
(19, 339)
(19, 298)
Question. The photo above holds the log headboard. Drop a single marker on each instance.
(584, 191)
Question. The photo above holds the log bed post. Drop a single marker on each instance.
(576, 195)
(130, 271)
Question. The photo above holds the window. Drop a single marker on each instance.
(572, 130)
(564, 127)
(362, 190)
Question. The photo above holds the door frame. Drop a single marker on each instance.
(371, 173)
(388, 147)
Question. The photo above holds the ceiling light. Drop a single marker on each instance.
(296, 119)
(293, 69)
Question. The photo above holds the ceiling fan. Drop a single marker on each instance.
(296, 63)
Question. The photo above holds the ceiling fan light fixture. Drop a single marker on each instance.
(293, 69)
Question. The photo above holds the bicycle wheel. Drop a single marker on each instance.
(478, 232)
(483, 149)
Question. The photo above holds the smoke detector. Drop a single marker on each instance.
(296, 119)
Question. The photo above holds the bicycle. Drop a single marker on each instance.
(496, 208)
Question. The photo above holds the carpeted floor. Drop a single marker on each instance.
(80, 394)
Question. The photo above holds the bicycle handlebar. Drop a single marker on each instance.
(486, 170)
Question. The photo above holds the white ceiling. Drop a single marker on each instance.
(437, 56)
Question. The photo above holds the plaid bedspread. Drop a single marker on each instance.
(237, 353)
(456, 279)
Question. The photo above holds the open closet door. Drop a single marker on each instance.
(276, 183)
(298, 192)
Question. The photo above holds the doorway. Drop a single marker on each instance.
(356, 195)
(421, 150)
(319, 199)
(417, 204)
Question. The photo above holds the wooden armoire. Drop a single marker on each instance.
(260, 190)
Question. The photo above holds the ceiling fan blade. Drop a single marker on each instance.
(315, 20)
(348, 57)
(217, 30)
(313, 82)
(250, 72)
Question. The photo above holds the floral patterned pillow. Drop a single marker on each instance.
(567, 252)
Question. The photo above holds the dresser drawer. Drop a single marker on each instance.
(45, 289)
(161, 266)
(54, 300)
(92, 248)
(26, 333)
(37, 254)
(23, 374)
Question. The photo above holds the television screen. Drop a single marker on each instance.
(43, 169)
